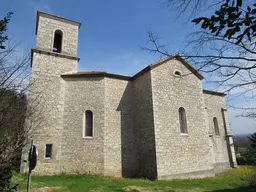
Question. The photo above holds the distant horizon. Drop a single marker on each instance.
(243, 134)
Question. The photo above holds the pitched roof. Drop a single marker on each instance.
(146, 69)
(163, 61)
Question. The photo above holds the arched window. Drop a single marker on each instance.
(216, 126)
(183, 120)
(57, 41)
(88, 123)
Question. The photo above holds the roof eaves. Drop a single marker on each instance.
(95, 74)
(51, 53)
(146, 69)
(152, 66)
(189, 66)
(162, 61)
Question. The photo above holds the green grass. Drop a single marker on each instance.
(233, 180)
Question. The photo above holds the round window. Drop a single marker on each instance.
(177, 73)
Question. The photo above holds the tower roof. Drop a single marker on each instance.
(40, 13)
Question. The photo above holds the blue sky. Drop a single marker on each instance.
(111, 34)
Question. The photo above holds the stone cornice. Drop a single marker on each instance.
(52, 53)
(214, 93)
(223, 109)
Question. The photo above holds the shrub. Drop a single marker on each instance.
(250, 177)
(241, 161)
(252, 180)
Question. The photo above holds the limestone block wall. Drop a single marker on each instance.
(180, 155)
(214, 106)
(47, 88)
(78, 153)
(119, 137)
(136, 129)
(144, 126)
(47, 98)
(45, 34)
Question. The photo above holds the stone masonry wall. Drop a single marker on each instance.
(144, 126)
(45, 35)
(78, 153)
(47, 89)
(47, 96)
(136, 129)
(214, 106)
(180, 155)
(119, 137)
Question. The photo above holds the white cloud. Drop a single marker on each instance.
(42, 5)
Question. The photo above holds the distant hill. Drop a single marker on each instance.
(241, 143)
(244, 135)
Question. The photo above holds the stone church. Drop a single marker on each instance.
(159, 123)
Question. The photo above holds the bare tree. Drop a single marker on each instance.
(16, 122)
(223, 48)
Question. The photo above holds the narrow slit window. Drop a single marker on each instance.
(183, 120)
(216, 126)
(48, 151)
(57, 42)
(88, 123)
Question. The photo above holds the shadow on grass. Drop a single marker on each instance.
(240, 189)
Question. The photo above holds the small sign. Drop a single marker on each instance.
(32, 157)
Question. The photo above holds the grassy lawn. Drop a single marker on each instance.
(235, 180)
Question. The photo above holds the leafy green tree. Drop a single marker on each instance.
(3, 28)
(231, 21)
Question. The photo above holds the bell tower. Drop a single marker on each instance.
(56, 34)
(55, 54)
